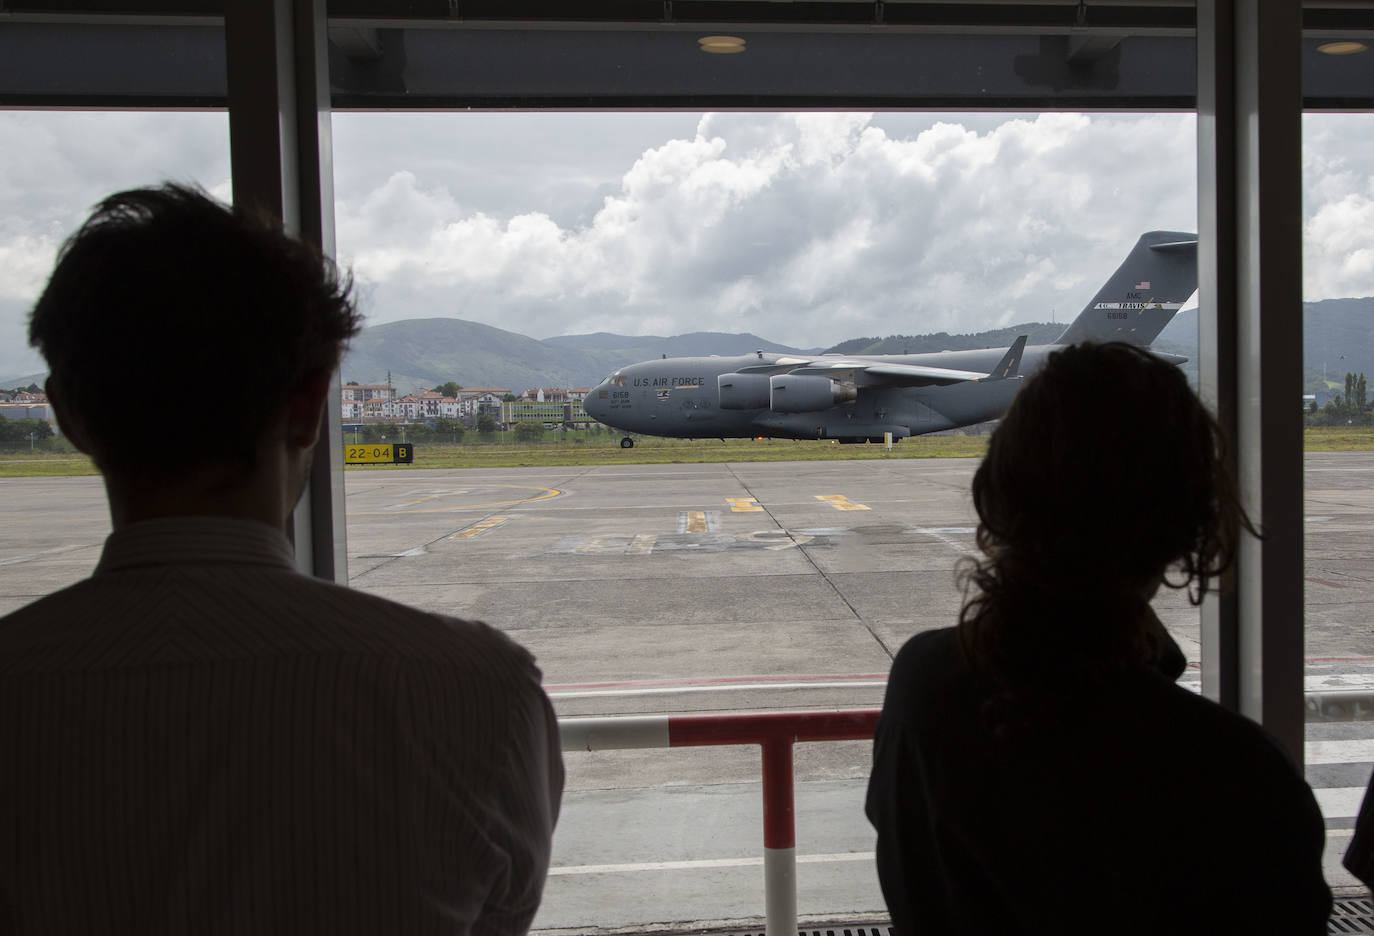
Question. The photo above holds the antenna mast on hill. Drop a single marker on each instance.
(389, 392)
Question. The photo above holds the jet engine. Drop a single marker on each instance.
(743, 391)
(790, 394)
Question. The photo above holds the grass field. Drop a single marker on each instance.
(43, 465)
(1338, 439)
(648, 451)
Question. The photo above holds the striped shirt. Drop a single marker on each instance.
(199, 739)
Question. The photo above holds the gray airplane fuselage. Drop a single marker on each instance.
(855, 397)
(679, 397)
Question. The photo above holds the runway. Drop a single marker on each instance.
(727, 587)
(753, 586)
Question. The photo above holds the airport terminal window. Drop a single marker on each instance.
(767, 585)
(1338, 360)
(53, 516)
(678, 587)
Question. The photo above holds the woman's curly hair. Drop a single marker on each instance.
(1105, 478)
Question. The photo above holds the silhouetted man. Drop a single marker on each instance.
(198, 738)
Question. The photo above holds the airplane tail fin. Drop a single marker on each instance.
(1011, 361)
(1144, 293)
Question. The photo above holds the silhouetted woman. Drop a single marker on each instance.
(1036, 769)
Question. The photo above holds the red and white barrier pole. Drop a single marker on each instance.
(779, 838)
(775, 733)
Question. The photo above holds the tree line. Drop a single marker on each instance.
(20, 434)
(1351, 408)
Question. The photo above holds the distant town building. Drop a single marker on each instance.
(475, 401)
(381, 403)
(364, 392)
(549, 413)
(28, 410)
(555, 395)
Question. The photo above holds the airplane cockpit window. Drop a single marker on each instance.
(618, 380)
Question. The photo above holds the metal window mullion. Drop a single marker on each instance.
(1250, 344)
(281, 154)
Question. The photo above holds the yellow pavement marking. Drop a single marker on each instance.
(547, 493)
(696, 521)
(479, 528)
(642, 544)
(419, 500)
(840, 502)
(742, 504)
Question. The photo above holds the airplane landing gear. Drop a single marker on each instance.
(627, 442)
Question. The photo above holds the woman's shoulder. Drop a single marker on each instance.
(928, 649)
(928, 669)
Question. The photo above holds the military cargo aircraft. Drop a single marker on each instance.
(858, 398)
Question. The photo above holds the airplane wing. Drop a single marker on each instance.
(866, 373)
(873, 373)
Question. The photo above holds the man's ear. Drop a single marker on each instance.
(71, 427)
(305, 409)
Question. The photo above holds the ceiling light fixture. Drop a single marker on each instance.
(1342, 48)
(721, 45)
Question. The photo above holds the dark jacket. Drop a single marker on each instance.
(1124, 805)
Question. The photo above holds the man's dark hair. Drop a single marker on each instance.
(175, 328)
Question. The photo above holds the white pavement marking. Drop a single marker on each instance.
(56, 550)
(1339, 752)
(731, 687)
(703, 863)
(417, 551)
(1339, 802)
(774, 540)
(938, 533)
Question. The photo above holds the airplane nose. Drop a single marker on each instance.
(594, 404)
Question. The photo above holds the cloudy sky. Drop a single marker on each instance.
(803, 228)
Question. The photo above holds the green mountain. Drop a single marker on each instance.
(1036, 332)
(1337, 337)
(426, 352)
(693, 344)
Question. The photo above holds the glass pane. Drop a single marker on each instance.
(53, 515)
(1338, 360)
(645, 584)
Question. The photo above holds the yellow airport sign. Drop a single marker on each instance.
(379, 453)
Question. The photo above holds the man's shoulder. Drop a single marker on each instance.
(97, 623)
(405, 631)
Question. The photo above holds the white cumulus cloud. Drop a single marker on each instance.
(806, 228)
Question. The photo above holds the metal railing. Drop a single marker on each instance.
(1339, 706)
(776, 733)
